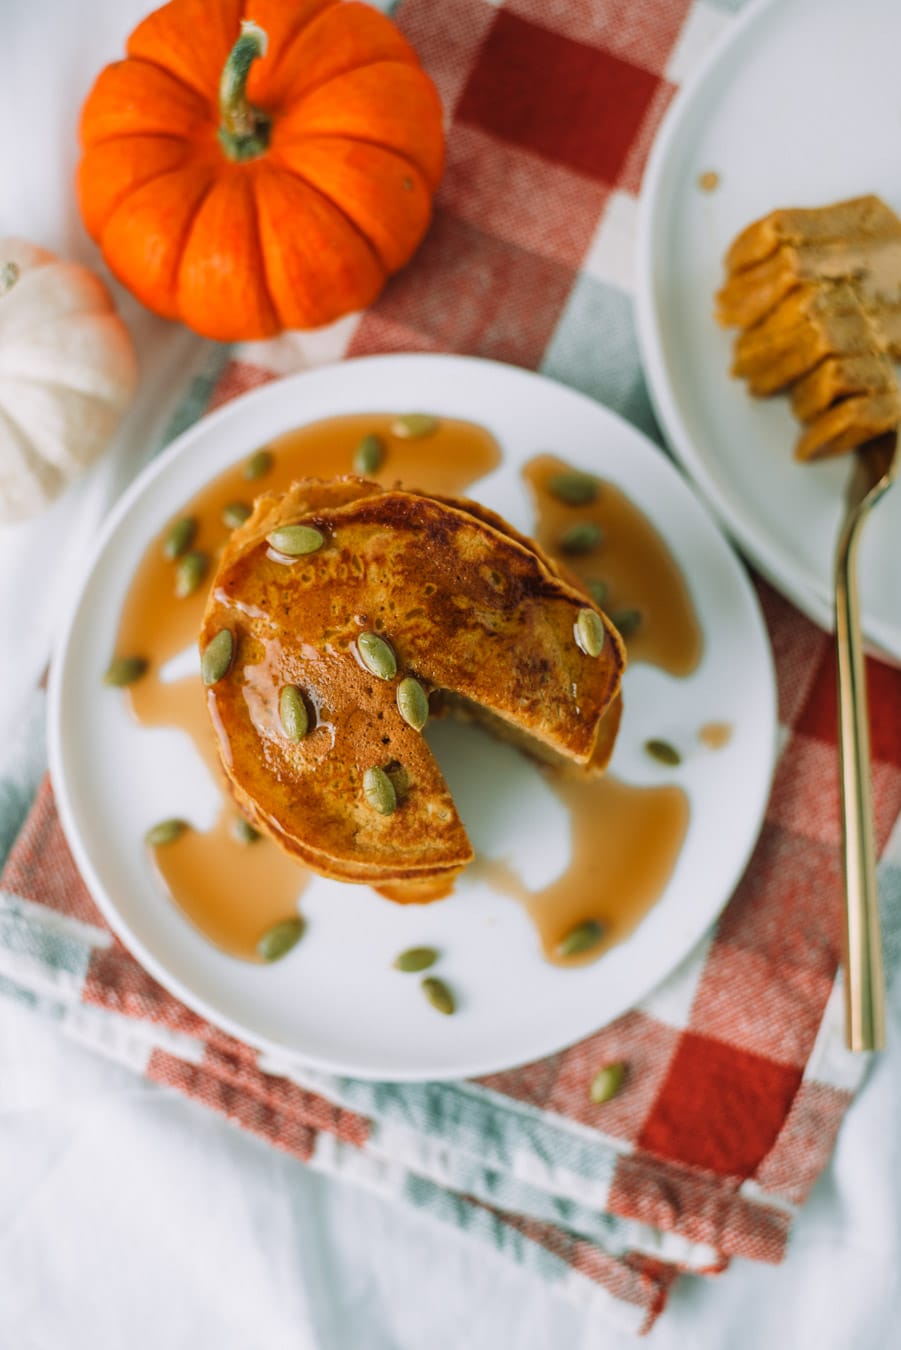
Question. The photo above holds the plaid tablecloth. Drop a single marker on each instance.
(738, 1079)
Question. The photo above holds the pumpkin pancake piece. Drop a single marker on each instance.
(466, 606)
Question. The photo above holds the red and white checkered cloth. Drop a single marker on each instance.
(737, 1077)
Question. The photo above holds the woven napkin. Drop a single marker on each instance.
(737, 1079)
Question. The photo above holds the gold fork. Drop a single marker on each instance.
(874, 471)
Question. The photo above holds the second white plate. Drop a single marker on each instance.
(800, 107)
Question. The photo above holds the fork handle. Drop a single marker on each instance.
(864, 978)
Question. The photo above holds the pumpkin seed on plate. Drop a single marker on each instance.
(377, 655)
(125, 670)
(244, 832)
(258, 465)
(369, 454)
(438, 994)
(573, 488)
(165, 832)
(235, 514)
(379, 792)
(627, 621)
(296, 540)
(589, 632)
(179, 537)
(415, 958)
(190, 572)
(280, 938)
(581, 938)
(217, 657)
(412, 703)
(663, 752)
(607, 1082)
(292, 713)
(411, 426)
(581, 537)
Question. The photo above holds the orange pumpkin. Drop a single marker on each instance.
(246, 177)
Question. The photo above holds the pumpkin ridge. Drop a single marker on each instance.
(260, 261)
(49, 475)
(326, 198)
(203, 98)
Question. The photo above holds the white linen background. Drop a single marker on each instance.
(129, 1215)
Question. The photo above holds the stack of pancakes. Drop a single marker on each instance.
(464, 605)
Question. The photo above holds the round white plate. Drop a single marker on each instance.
(335, 1001)
(800, 107)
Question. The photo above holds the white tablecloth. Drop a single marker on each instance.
(131, 1216)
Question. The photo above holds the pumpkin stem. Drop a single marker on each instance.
(9, 275)
(243, 130)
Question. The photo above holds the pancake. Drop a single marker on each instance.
(466, 606)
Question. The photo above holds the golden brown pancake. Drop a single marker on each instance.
(470, 609)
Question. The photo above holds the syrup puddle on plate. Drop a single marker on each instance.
(625, 839)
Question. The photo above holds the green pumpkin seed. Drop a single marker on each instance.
(217, 657)
(295, 540)
(258, 465)
(598, 592)
(369, 454)
(438, 994)
(627, 621)
(573, 488)
(165, 832)
(415, 958)
(412, 703)
(377, 655)
(280, 938)
(581, 938)
(411, 426)
(190, 572)
(607, 1082)
(582, 537)
(244, 832)
(292, 713)
(125, 670)
(10, 271)
(589, 632)
(235, 514)
(379, 791)
(663, 752)
(179, 537)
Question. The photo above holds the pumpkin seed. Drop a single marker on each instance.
(9, 271)
(217, 657)
(190, 572)
(125, 670)
(377, 655)
(412, 703)
(244, 832)
(581, 537)
(598, 591)
(165, 832)
(295, 540)
(280, 938)
(663, 752)
(179, 537)
(258, 465)
(235, 514)
(627, 621)
(438, 994)
(379, 791)
(415, 958)
(607, 1082)
(589, 632)
(369, 454)
(292, 713)
(581, 938)
(573, 488)
(411, 426)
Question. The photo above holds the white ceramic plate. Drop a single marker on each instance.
(335, 1001)
(800, 107)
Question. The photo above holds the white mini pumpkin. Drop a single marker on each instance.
(67, 372)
